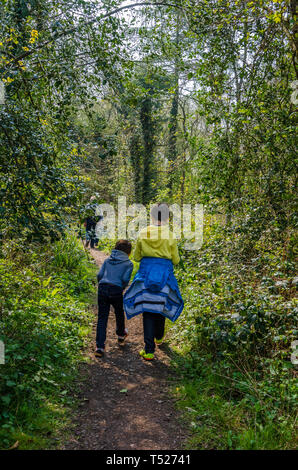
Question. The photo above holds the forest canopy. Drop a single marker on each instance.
(186, 100)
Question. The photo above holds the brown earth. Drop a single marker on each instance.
(125, 401)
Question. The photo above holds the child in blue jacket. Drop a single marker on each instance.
(113, 277)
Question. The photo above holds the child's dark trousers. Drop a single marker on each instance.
(109, 294)
(154, 327)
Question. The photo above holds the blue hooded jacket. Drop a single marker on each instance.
(116, 270)
(154, 289)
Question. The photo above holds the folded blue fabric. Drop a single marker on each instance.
(154, 289)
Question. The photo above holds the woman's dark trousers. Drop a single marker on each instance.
(154, 327)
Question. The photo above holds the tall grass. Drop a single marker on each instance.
(46, 292)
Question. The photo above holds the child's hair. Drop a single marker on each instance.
(123, 245)
(160, 212)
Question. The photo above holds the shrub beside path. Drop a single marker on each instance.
(125, 401)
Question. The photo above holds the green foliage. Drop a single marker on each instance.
(140, 106)
(44, 91)
(227, 408)
(245, 162)
(45, 292)
(248, 304)
(235, 337)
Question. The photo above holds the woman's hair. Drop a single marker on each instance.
(123, 245)
(160, 212)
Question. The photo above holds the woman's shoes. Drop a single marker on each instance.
(146, 356)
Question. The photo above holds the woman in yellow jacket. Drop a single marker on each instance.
(154, 291)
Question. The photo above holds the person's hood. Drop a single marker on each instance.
(118, 256)
(156, 232)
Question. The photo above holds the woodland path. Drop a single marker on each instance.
(142, 418)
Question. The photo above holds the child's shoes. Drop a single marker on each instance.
(146, 356)
(121, 339)
(99, 353)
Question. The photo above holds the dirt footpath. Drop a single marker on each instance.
(125, 401)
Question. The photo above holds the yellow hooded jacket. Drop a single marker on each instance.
(157, 241)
